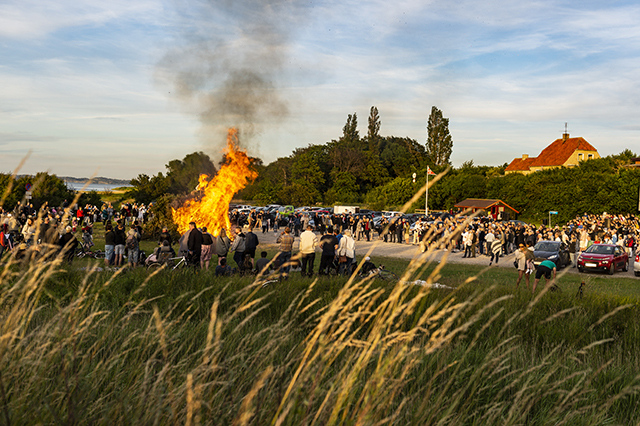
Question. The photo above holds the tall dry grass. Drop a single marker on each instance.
(370, 354)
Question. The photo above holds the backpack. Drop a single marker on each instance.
(131, 243)
(206, 239)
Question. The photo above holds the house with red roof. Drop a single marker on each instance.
(563, 152)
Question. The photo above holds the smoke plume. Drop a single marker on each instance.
(228, 65)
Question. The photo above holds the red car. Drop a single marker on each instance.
(604, 257)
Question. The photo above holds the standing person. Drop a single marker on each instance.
(4, 239)
(347, 248)
(120, 239)
(466, 240)
(133, 245)
(109, 243)
(29, 231)
(207, 249)
(222, 245)
(496, 249)
(474, 241)
(238, 247)
(488, 239)
(545, 269)
(574, 246)
(250, 245)
(521, 258)
(194, 245)
(399, 230)
(68, 244)
(286, 245)
(105, 214)
(329, 245)
(308, 244)
(481, 235)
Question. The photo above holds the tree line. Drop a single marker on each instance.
(44, 188)
(351, 169)
(377, 172)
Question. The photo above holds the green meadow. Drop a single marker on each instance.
(82, 345)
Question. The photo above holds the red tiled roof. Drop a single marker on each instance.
(520, 165)
(480, 203)
(559, 152)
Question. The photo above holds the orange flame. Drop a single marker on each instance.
(212, 208)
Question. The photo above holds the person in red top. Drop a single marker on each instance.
(80, 215)
(4, 239)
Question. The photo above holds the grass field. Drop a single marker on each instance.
(97, 347)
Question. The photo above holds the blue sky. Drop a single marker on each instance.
(121, 88)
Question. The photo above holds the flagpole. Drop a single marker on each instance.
(426, 197)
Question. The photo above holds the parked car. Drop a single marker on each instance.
(286, 210)
(636, 266)
(604, 257)
(554, 251)
(390, 214)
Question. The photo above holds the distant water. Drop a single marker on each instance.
(93, 186)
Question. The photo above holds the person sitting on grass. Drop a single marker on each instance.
(545, 269)
(367, 266)
(223, 269)
(247, 265)
(261, 264)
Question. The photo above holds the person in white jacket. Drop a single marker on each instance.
(347, 248)
(308, 244)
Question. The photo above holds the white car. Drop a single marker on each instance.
(636, 265)
(390, 214)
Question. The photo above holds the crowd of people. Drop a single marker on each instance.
(51, 229)
(333, 237)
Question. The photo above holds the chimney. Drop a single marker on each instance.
(565, 136)
(525, 156)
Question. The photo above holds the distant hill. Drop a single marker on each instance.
(99, 180)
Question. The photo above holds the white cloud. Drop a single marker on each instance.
(27, 19)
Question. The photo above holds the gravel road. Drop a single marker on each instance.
(408, 251)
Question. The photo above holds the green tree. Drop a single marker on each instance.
(439, 142)
(344, 190)
(46, 188)
(373, 132)
(402, 156)
(350, 135)
(183, 174)
(149, 188)
(307, 179)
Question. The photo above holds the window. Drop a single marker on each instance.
(580, 157)
(590, 156)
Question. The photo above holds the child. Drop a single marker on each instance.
(262, 263)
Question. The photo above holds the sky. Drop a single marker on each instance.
(120, 88)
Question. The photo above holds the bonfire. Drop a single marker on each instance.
(210, 205)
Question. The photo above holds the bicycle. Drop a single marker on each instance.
(182, 263)
(383, 274)
(83, 250)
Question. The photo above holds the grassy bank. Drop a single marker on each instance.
(81, 347)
